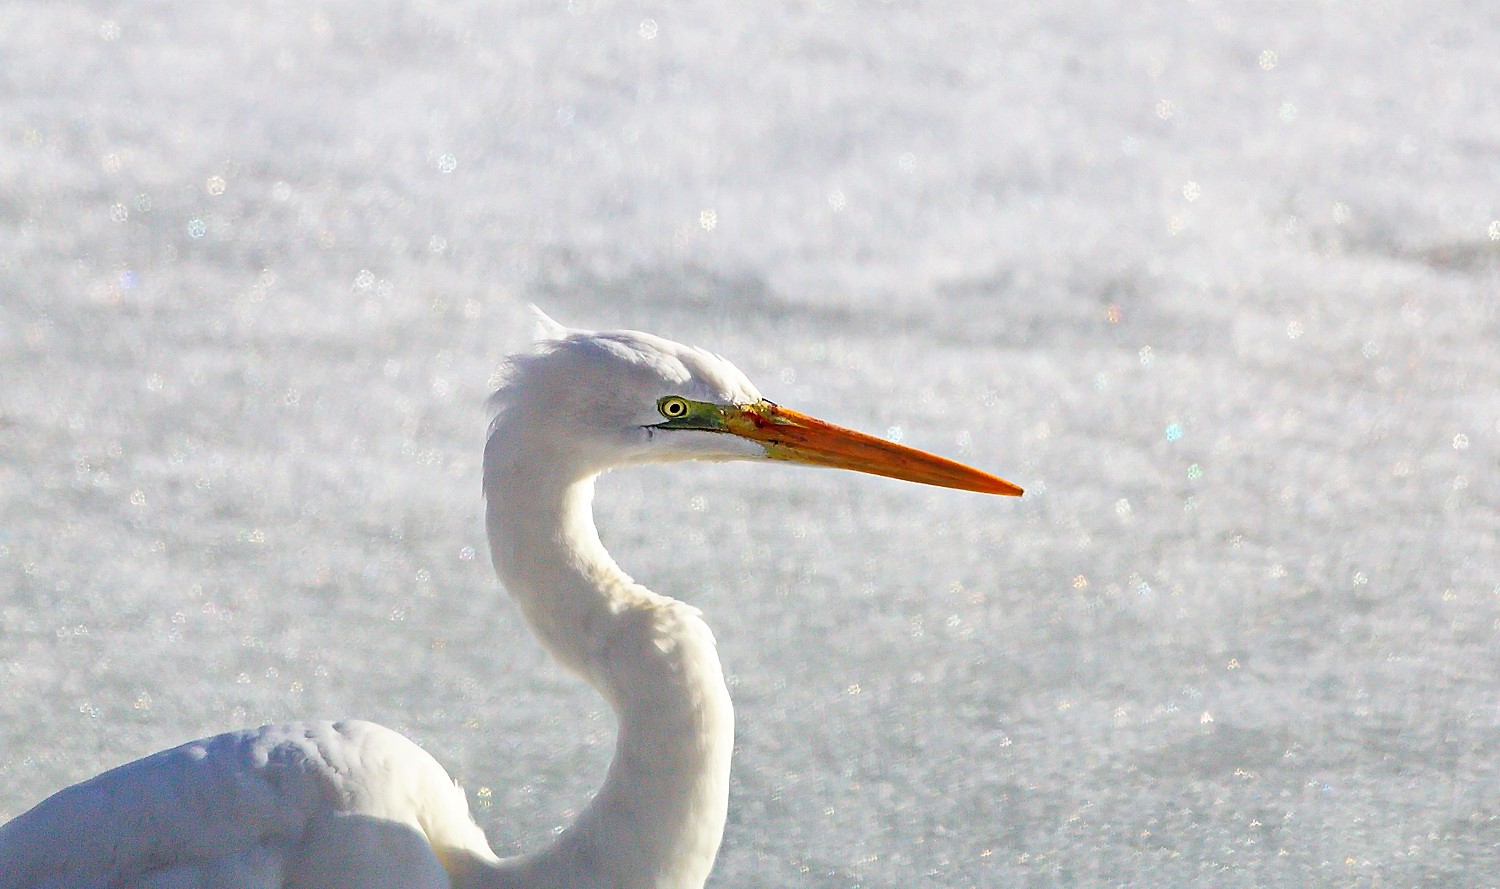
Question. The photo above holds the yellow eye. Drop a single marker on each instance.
(672, 407)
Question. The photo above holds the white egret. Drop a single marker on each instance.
(351, 804)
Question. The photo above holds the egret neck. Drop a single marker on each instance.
(659, 818)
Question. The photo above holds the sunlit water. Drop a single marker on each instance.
(1217, 285)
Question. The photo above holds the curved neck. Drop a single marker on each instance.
(658, 819)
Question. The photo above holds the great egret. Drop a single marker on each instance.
(320, 805)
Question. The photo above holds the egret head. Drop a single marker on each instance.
(589, 401)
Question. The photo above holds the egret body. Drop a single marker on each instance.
(352, 805)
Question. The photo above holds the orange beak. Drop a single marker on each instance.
(788, 435)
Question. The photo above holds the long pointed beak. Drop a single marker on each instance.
(788, 435)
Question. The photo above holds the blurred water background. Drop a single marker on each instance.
(1218, 283)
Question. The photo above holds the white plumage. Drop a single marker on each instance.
(351, 804)
(244, 808)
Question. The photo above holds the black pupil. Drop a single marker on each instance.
(676, 408)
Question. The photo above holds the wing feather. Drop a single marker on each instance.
(235, 806)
